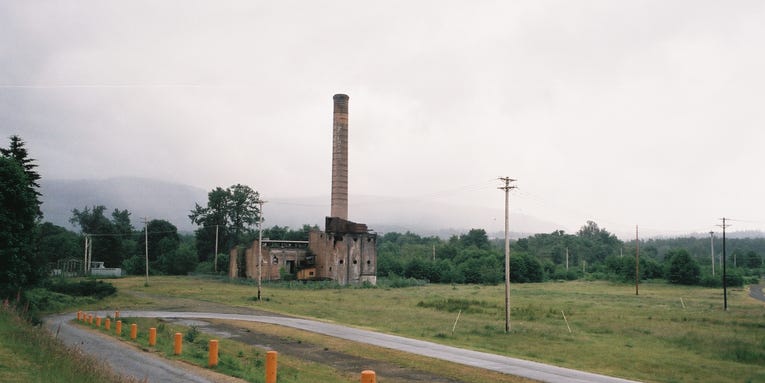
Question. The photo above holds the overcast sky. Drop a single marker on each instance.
(625, 113)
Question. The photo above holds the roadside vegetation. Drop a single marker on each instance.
(30, 354)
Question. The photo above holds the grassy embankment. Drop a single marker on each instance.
(30, 354)
(665, 334)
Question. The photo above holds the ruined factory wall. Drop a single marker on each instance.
(345, 258)
(272, 260)
(233, 258)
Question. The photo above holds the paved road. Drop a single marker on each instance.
(755, 291)
(139, 365)
(532, 370)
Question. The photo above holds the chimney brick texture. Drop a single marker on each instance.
(339, 206)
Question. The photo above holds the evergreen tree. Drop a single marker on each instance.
(17, 152)
(19, 210)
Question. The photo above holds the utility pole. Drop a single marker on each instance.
(507, 189)
(215, 264)
(566, 258)
(712, 246)
(146, 243)
(260, 244)
(725, 283)
(637, 260)
(86, 263)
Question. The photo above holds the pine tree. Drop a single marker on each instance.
(18, 153)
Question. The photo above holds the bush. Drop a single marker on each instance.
(84, 288)
(733, 278)
(525, 268)
(135, 265)
(395, 281)
(707, 280)
(682, 268)
(561, 274)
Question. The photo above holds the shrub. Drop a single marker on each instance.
(395, 281)
(732, 278)
(682, 268)
(707, 280)
(84, 288)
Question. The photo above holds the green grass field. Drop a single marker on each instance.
(666, 334)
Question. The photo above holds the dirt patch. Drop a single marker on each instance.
(343, 362)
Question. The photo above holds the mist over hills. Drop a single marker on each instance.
(173, 202)
(141, 196)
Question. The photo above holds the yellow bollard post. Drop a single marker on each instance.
(368, 376)
(133, 331)
(108, 324)
(79, 315)
(177, 345)
(98, 321)
(212, 358)
(118, 328)
(271, 357)
(152, 336)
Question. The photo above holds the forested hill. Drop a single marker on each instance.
(140, 196)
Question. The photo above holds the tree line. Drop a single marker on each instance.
(591, 253)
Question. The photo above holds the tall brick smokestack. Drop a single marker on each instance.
(340, 157)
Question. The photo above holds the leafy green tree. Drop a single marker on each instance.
(682, 269)
(111, 240)
(57, 243)
(163, 238)
(19, 209)
(417, 268)
(525, 268)
(753, 260)
(180, 261)
(243, 210)
(596, 243)
(477, 238)
(232, 210)
(121, 222)
(284, 233)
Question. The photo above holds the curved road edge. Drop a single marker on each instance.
(512, 366)
(140, 365)
(756, 292)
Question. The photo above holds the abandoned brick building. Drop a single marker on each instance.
(344, 252)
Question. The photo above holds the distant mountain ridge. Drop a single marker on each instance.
(143, 197)
(173, 202)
